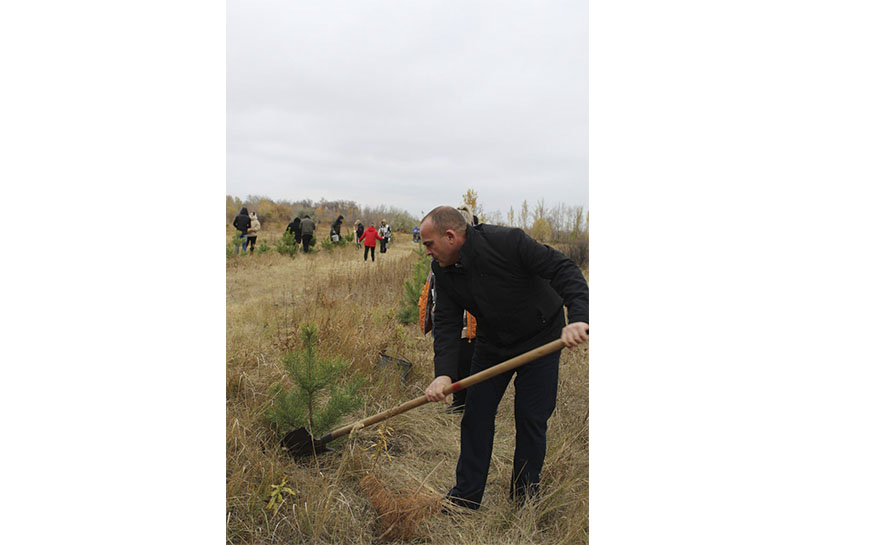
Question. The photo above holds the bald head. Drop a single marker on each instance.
(446, 217)
(443, 233)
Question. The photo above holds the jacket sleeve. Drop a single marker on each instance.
(564, 274)
(447, 324)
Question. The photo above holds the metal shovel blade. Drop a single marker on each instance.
(300, 442)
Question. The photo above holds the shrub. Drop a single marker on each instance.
(341, 242)
(541, 230)
(287, 245)
(262, 248)
(327, 244)
(577, 250)
(408, 314)
(234, 246)
(412, 287)
(311, 375)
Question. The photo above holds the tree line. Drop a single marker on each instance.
(283, 212)
(558, 223)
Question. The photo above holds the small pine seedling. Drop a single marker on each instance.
(312, 375)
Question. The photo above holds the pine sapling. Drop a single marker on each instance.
(287, 245)
(318, 399)
(412, 287)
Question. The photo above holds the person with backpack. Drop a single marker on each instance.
(369, 237)
(384, 233)
(242, 222)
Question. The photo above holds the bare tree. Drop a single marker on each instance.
(470, 198)
(495, 218)
(577, 221)
(525, 213)
(539, 211)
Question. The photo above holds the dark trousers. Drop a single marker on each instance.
(464, 362)
(307, 239)
(251, 240)
(384, 247)
(371, 250)
(535, 398)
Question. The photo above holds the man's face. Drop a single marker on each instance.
(444, 248)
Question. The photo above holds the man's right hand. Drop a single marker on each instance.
(434, 391)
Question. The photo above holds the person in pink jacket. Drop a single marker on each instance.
(369, 237)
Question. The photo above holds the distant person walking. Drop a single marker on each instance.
(294, 227)
(384, 234)
(368, 237)
(335, 235)
(358, 232)
(307, 231)
(416, 234)
(242, 222)
(252, 233)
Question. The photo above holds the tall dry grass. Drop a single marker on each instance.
(353, 304)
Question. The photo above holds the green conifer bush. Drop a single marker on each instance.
(287, 245)
(412, 287)
(262, 248)
(319, 399)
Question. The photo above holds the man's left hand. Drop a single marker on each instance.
(574, 334)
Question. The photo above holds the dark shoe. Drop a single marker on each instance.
(520, 495)
(453, 505)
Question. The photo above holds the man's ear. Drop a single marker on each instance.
(451, 234)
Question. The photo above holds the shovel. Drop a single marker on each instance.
(300, 442)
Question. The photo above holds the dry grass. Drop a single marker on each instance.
(356, 494)
(400, 514)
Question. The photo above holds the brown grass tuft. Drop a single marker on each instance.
(399, 514)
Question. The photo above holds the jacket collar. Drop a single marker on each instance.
(469, 250)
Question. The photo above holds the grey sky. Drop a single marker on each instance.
(408, 103)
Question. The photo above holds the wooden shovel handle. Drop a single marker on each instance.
(498, 369)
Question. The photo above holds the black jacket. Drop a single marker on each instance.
(242, 223)
(516, 289)
(294, 228)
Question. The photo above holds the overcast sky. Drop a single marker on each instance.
(408, 103)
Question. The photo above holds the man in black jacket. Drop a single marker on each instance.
(242, 222)
(516, 288)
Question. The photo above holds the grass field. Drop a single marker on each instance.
(411, 457)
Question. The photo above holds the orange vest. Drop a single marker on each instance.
(425, 307)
